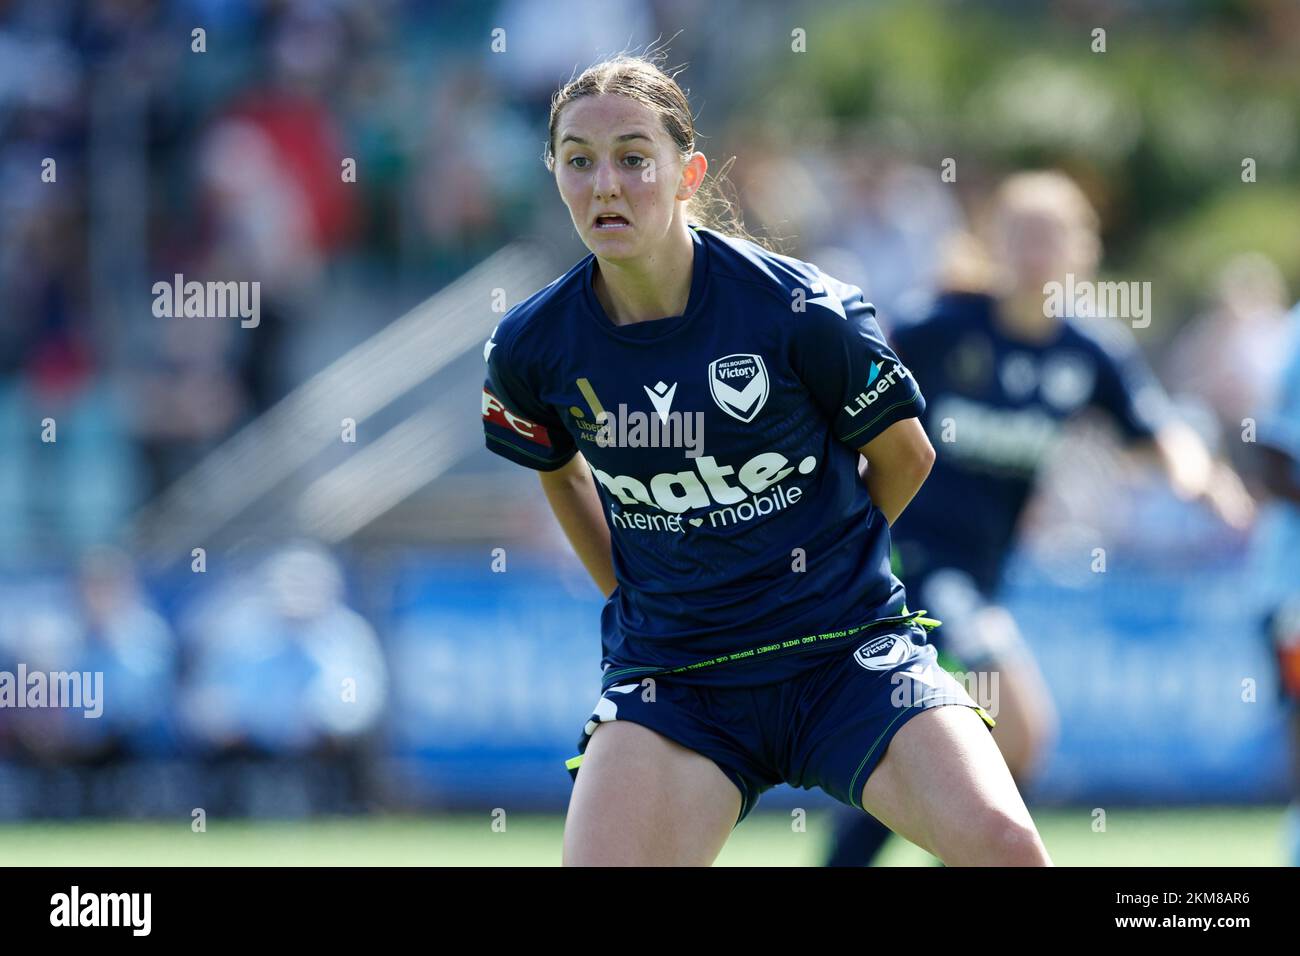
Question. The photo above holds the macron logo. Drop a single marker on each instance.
(661, 398)
(821, 297)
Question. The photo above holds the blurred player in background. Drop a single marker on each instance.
(1276, 568)
(753, 633)
(1003, 374)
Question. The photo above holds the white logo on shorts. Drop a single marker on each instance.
(607, 708)
(882, 653)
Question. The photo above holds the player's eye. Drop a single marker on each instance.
(634, 160)
(574, 161)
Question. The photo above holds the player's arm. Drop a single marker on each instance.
(1194, 474)
(870, 398)
(571, 491)
(1128, 391)
(520, 427)
(895, 464)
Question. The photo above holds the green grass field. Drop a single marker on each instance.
(1162, 837)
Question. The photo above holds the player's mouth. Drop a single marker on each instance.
(610, 222)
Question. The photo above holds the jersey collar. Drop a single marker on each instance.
(651, 330)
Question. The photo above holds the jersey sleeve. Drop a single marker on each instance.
(854, 377)
(516, 425)
(1127, 390)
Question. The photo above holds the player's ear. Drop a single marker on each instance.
(693, 170)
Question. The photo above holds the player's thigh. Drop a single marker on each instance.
(943, 785)
(641, 799)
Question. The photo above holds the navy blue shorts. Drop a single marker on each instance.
(827, 727)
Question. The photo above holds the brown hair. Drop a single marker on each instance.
(642, 79)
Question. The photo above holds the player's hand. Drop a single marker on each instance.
(1225, 493)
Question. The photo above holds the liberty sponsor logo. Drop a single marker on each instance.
(81, 690)
(102, 909)
(757, 491)
(739, 385)
(878, 382)
(496, 412)
(882, 653)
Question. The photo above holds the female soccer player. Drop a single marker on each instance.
(696, 406)
(1003, 375)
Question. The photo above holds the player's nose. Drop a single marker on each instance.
(605, 183)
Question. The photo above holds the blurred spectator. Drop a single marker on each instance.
(124, 653)
(1230, 358)
(896, 218)
(275, 203)
(185, 395)
(283, 665)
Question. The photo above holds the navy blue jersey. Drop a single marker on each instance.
(996, 407)
(723, 442)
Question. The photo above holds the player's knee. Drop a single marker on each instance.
(1023, 846)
